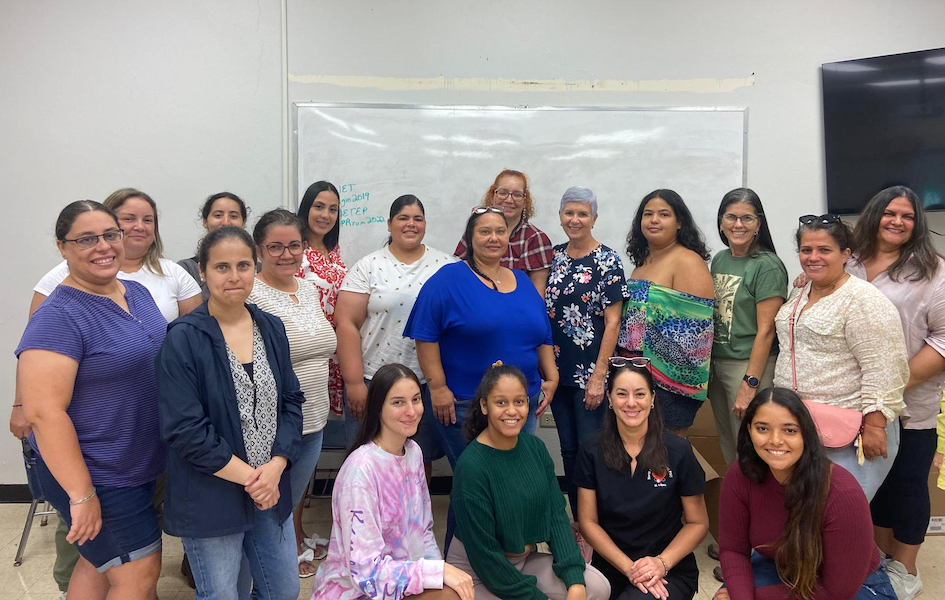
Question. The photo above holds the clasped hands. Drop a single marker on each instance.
(263, 483)
(647, 574)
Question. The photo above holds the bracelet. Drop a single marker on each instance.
(83, 500)
(665, 568)
(883, 427)
(17, 406)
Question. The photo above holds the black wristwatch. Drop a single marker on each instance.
(751, 381)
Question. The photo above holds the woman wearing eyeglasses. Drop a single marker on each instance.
(640, 493)
(86, 382)
(173, 289)
(668, 317)
(529, 249)
(842, 345)
(276, 290)
(472, 313)
(750, 286)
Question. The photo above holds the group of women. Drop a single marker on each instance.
(457, 356)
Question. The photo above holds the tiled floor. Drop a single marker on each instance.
(33, 579)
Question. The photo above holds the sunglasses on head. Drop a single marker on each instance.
(481, 210)
(641, 362)
(825, 219)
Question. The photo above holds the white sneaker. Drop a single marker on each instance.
(906, 585)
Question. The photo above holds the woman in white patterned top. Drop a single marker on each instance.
(846, 347)
(278, 237)
(373, 306)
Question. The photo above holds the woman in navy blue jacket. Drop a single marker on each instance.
(230, 408)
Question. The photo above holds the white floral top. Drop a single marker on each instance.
(849, 349)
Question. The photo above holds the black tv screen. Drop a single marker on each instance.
(884, 124)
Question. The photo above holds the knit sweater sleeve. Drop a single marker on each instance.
(734, 542)
(567, 562)
(476, 529)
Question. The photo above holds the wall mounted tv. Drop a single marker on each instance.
(884, 124)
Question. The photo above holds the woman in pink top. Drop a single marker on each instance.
(382, 543)
(322, 265)
(792, 524)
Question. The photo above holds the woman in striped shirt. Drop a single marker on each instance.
(278, 237)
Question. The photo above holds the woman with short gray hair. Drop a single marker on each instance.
(584, 297)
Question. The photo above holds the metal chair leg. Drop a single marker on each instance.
(18, 559)
(47, 510)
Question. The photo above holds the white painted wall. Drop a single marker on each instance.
(183, 99)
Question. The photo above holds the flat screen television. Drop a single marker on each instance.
(884, 124)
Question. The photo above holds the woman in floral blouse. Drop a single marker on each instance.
(584, 297)
(322, 265)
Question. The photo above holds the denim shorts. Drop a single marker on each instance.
(129, 521)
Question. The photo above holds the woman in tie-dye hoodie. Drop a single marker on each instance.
(382, 543)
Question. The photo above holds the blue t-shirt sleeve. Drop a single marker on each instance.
(52, 328)
(614, 282)
(427, 318)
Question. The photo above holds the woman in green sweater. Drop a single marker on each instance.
(507, 501)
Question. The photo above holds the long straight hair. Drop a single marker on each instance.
(800, 548)
(919, 247)
(152, 259)
(331, 238)
(653, 455)
(748, 196)
(381, 383)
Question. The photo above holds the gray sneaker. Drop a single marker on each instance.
(906, 585)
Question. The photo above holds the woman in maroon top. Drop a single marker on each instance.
(792, 523)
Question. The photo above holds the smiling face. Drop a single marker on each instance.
(777, 439)
(287, 264)
(138, 220)
(402, 409)
(223, 212)
(577, 220)
(99, 264)
(408, 227)
(821, 257)
(659, 223)
(897, 224)
(631, 398)
(506, 409)
(324, 213)
(740, 224)
(230, 272)
(510, 205)
(490, 237)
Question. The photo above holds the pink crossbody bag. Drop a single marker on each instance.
(837, 427)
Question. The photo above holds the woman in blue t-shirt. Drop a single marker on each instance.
(86, 381)
(472, 313)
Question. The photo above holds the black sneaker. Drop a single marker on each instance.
(717, 573)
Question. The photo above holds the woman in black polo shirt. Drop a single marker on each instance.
(635, 485)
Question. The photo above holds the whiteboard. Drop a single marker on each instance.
(448, 156)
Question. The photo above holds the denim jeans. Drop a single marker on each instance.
(875, 587)
(872, 473)
(300, 473)
(574, 423)
(270, 550)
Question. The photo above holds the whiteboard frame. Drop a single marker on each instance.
(296, 198)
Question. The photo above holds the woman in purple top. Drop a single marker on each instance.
(382, 543)
(86, 379)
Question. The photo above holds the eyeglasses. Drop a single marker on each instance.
(641, 362)
(276, 250)
(745, 219)
(112, 236)
(825, 219)
(481, 210)
(502, 194)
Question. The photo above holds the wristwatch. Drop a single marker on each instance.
(751, 381)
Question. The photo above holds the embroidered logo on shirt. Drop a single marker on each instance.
(659, 478)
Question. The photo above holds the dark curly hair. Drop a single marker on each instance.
(689, 234)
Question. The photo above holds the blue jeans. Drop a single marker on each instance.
(269, 547)
(875, 587)
(872, 473)
(300, 473)
(574, 423)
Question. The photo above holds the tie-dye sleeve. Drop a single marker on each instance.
(431, 550)
(375, 574)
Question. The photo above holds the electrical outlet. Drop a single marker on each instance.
(547, 419)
